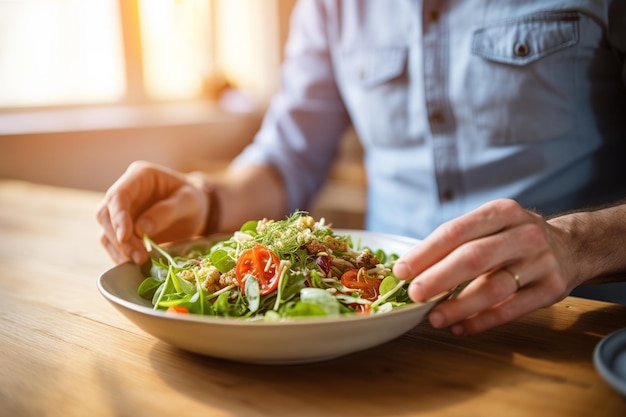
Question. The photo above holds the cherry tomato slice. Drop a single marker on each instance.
(368, 287)
(177, 309)
(260, 262)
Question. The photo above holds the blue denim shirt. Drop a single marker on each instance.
(456, 102)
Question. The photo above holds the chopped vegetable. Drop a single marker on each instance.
(177, 309)
(262, 264)
(276, 270)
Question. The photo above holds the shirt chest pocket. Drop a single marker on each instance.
(522, 78)
(374, 88)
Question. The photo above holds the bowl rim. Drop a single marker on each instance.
(104, 289)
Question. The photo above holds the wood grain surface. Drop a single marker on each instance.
(64, 351)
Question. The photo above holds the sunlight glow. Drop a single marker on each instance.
(60, 52)
(243, 27)
(176, 40)
(68, 52)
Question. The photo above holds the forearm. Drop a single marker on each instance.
(595, 243)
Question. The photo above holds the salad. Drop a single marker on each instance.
(276, 270)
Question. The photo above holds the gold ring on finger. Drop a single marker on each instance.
(515, 277)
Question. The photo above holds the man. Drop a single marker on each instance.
(468, 106)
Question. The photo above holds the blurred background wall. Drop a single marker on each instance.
(88, 86)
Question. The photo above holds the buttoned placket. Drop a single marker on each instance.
(435, 50)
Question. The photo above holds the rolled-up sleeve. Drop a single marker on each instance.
(300, 132)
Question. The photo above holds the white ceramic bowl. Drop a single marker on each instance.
(298, 341)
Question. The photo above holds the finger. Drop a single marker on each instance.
(542, 284)
(488, 219)
(478, 257)
(130, 249)
(120, 218)
(123, 205)
(109, 237)
(131, 194)
(172, 218)
(522, 302)
(144, 179)
(133, 250)
(102, 215)
(480, 294)
(134, 191)
(126, 245)
(112, 250)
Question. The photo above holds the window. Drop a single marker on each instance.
(177, 48)
(60, 52)
(90, 52)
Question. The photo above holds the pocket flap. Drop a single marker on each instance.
(377, 66)
(525, 40)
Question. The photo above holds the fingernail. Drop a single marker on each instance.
(401, 270)
(436, 319)
(136, 256)
(416, 291)
(146, 226)
(120, 234)
(457, 329)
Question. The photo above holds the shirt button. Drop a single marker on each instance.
(433, 16)
(435, 117)
(446, 195)
(521, 49)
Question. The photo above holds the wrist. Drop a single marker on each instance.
(212, 213)
(213, 217)
(594, 240)
(569, 236)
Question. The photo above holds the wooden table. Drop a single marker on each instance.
(64, 351)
